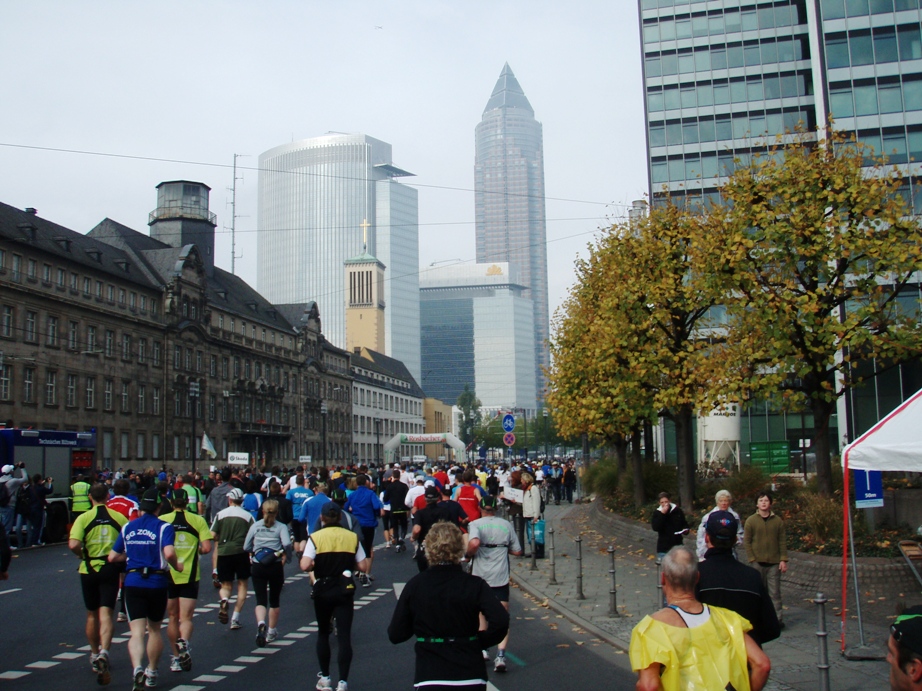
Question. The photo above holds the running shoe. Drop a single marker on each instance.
(342, 686)
(150, 678)
(185, 655)
(499, 664)
(93, 661)
(272, 635)
(138, 679)
(174, 664)
(235, 624)
(261, 635)
(323, 683)
(101, 665)
(121, 618)
(222, 612)
(486, 655)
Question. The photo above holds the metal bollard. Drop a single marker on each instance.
(534, 553)
(579, 568)
(659, 582)
(823, 660)
(613, 592)
(519, 524)
(553, 580)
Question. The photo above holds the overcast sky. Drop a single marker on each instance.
(104, 100)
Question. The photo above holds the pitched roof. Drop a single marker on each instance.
(507, 93)
(382, 364)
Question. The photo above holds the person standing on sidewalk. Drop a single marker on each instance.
(722, 502)
(193, 539)
(904, 650)
(531, 505)
(670, 525)
(728, 583)
(767, 548)
(490, 542)
(229, 531)
(689, 645)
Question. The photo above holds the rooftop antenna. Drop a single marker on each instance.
(233, 227)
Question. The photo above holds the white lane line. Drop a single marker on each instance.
(232, 669)
(14, 675)
(490, 687)
(186, 687)
(84, 648)
(210, 678)
(42, 664)
(119, 639)
(281, 642)
(296, 635)
(202, 610)
(264, 651)
(248, 659)
(398, 588)
(309, 629)
(11, 590)
(68, 656)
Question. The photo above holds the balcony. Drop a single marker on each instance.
(260, 428)
(194, 213)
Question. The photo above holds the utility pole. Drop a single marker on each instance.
(233, 227)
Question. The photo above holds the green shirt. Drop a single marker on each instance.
(80, 491)
(195, 496)
(191, 530)
(97, 529)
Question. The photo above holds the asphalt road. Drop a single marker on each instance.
(44, 646)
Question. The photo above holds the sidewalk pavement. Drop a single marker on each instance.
(794, 655)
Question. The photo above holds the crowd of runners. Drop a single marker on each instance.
(141, 540)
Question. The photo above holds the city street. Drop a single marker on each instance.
(45, 648)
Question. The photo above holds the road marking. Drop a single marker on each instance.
(11, 590)
(68, 656)
(13, 675)
(230, 668)
(42, 664)
(398, 588)
(490, 687)
(281, 642)
(210, 678)
(248, 659)
(295, 634)
(186, 687)
(203, 610)
(264, 651)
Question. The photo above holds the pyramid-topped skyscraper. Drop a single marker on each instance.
(509, 199)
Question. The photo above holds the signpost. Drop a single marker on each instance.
(508, 424)
(869, 489)
(509, 439)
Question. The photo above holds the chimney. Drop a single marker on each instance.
(31, 210)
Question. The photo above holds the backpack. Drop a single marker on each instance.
(4, 495)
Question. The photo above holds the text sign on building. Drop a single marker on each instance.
(304, 459)
(238, 458)
(509, 439)
(869, 489)
(508, 423)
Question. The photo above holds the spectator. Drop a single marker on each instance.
(670, 525)
(38, 491)
(904, 650)
(767, 549)
(722, 502)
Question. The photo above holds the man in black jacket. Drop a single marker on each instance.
(725, 582)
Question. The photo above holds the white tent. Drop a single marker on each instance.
(893, 443)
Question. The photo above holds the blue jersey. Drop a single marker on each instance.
(143, 540)
(364, 505)
(297, 496)
(310, 510)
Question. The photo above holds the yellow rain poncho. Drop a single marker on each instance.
(707, 657)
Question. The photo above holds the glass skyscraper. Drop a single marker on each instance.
(320, 201)
(509, 200)
(722, 78)
(477, 331)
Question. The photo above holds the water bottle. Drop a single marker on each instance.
(347, 573)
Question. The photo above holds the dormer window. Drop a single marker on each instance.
(95, 255)
(63, 242)
(123, 265)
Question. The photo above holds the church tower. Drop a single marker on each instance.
(365, 303)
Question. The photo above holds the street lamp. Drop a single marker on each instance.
(323, 427)
(544, 413)
(193, 396)
(377, 439)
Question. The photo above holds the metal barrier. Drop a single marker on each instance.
(823, 662)
(579, 568)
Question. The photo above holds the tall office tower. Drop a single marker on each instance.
(477, 328)
(509, 200)
(723, 77)
(321, 200)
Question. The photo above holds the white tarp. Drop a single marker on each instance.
(894, 443)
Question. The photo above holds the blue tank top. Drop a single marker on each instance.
(143, 540)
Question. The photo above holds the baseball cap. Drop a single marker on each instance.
(722, 527)
(6, 470)
(339, 495)
(235, 494)
(180, 495)
(150, 501)
(432, 492)
(488, 502)
(907, 629)
(331, 510)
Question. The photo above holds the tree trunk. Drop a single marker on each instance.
(683, 419)
(822, 411)
(620, 444)
(637, 467)
(586, 457)
(648, 441)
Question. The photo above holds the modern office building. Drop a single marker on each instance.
(321, 201)
(722, 78)
(477, 330)
(509, 200)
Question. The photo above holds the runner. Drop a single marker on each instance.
(192, 539)
(491, 541)
(395, 492)
(297, 495)
(332, 553)
(128, 507)
(146, 544)
(230, 560)
(365, 505)
(268, 543)
(91, 538)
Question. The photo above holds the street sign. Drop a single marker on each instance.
(508, 423)
(238, 458)
(509, 439)
(869, 489)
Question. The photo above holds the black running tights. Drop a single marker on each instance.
(326, 608)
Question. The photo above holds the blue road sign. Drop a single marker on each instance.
(508, 422)
(869, 489)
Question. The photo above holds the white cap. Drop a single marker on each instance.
(429, 483)
(6, 470)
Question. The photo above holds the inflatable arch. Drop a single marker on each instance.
(390, 448)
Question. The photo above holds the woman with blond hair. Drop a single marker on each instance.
(441, 607)
(268, 543)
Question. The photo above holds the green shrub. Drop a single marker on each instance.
(823, 516)
(601, 477)
(746, 483)
(658, 477)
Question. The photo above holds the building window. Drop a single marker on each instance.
(61, 277)
(232, 325)
(236, 367)
(17, 268)
(110, 343)
(6, 378)
(123, 451)
(71, 390)
(221, 321)
(133, 301)
(155, 446)
(33, 268)
(155, 400)
(142, 350)
(30, 325)
(156, 354)
(110, 293)
(141, 445)
(177, 404)
(247, 370)
(91, 392)
(51, 331)
(126, 347)
(121, 296)
(72, 336)
(189, 359)
(177, 357)
(28, 385)
(107, 393)
(46, 273)
(224, 410)
(213, 365)
(212, 406)
(142, 399)
(87, 284)
(126, 401)
(91, 339)
(143, 303)
(51, 387)
(6, 326)
(224, 367)
(198, 360)
(99, 290)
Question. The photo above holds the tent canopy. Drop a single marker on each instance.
(894, 443)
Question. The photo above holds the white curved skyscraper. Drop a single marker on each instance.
(320, 200)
